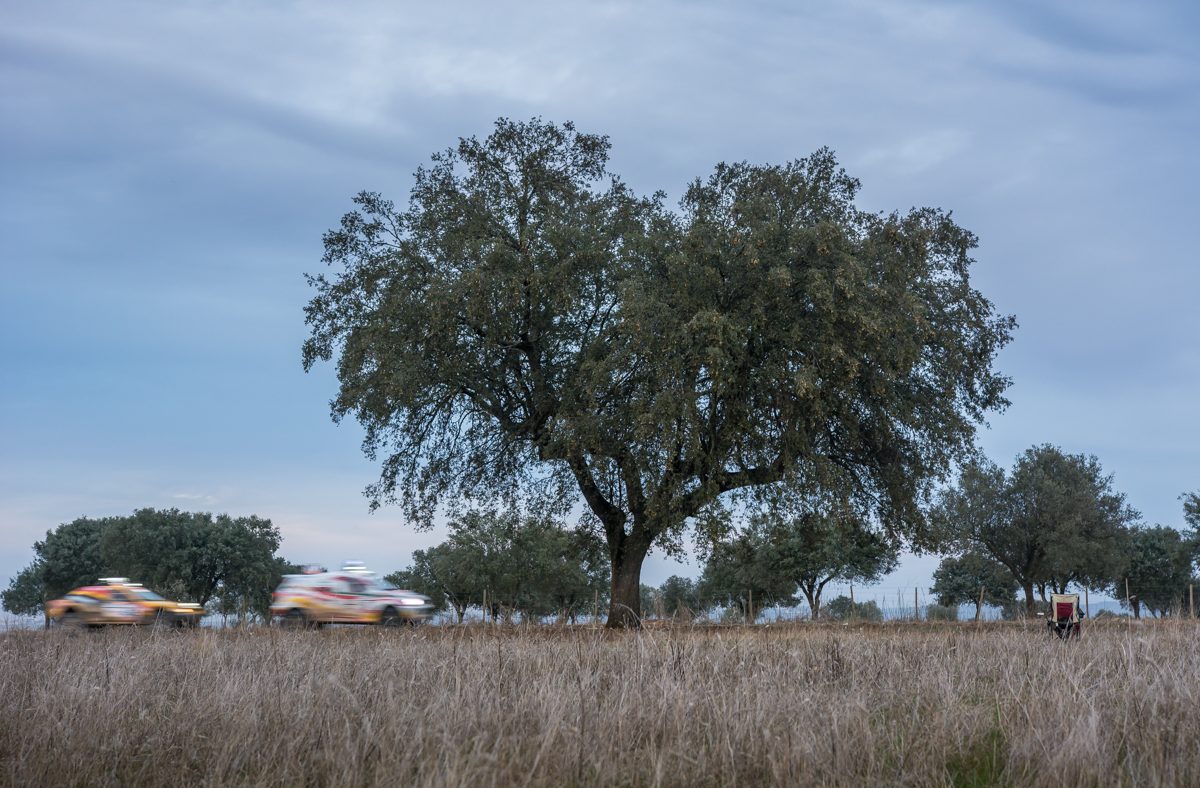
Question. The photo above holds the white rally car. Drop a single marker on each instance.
(351, 596)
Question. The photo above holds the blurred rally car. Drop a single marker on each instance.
(351, 596)
(118, 601)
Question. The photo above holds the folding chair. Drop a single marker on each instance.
(1063, 620)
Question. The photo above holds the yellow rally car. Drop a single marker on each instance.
(352, 596)
(118, 601)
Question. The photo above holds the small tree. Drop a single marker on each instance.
(521, 564)
(744, 572)
(680, 598)
(825, 540)
(26, 593)
(649, 598)
(1191, 515)
(970, 577)
(842, 608)
(1158, 571)
(417, 578)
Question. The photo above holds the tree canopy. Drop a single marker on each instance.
(527, 325)
(843, 608)
(187, 556)
(1191, 515)
(973, 578)
(1054, 521)
(827, 541)
(518, 563)
(810, 542)
(744, 572)
(1158, 571)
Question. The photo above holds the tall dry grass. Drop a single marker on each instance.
(797, 705)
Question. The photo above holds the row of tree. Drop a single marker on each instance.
(225, 563)
(1055, 523)
(509, 564)
(1052, 523)
(682, 598)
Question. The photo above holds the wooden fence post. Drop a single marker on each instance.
(916, 606)
(1087, 605)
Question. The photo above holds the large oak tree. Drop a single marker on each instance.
(527, 326)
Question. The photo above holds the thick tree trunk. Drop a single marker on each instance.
(814, 603)
(625, 609)
(1030, 605)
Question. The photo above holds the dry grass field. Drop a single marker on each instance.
(788, 705)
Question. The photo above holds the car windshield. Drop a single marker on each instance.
(146, 593)
(376, 584)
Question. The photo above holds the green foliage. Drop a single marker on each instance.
(824, 539)
(981, 763)
(648, 595)
(679, 598)
(1055, 520)
(528, 325)
(1110, 614)
(246, 593)
(1191, 509)
(746, 569)
(523, 564)
(195, 556)
(26, 594)
(70, 556)
(842, 608)
(960, 579)
(1158, 571)
(1191, 515)
(187, 556)
(418, 578)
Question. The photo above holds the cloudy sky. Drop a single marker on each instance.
(167, 170)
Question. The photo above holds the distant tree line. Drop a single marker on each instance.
(228, 564)
(1055, 523)
(1052, 523)
(510, 564)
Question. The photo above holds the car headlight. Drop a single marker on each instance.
(411, 602)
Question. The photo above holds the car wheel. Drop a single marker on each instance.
(295, 619)
(391, 618)
(71, 620)
(165, 620)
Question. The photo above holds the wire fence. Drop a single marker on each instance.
(837, 603)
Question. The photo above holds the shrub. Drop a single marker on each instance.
(941, 612)
(844, 609)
